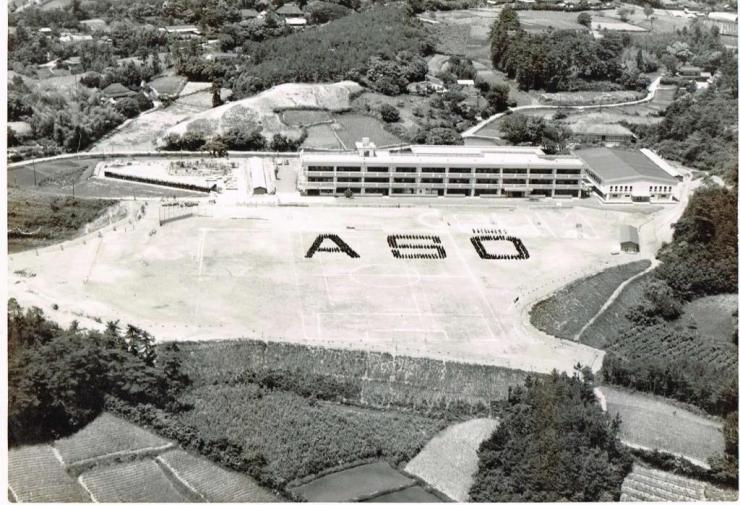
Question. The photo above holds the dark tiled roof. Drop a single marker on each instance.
(290, 10)
(616, 164)
(117, 89)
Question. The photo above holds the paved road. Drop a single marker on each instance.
(651, 94)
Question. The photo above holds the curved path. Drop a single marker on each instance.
(650, 96)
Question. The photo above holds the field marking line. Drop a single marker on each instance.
(125, 452)
(201, 253)
(475, 280)
(84, 486)
(547, 225)
(596, 234)
(435, 314)
(298, 290)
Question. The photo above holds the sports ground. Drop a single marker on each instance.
(243, 272)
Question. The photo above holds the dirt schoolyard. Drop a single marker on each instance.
(244, 273)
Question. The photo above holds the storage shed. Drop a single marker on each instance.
(629, 239)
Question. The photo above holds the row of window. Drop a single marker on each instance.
(620, 189)
(451, 170)
(438, 180)
(660, 189)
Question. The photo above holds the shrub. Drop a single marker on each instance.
(389, 113)
(584, 18)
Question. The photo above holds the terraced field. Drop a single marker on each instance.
(649, 485)
(140, 481)
(212, 482)
(354, 484)
(36, 475)
(106, 437)
(450, 460)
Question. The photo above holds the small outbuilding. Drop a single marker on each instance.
(629, 239)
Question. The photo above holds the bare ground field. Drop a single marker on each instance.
(244, 274)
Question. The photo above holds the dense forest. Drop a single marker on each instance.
(554, 444)
(58, 379)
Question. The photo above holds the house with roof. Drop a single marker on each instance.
(296, 22)
(117, 90)
(67, 37)
(95, 24)
(689, 72)
(248, 14)
(601, 132)
(73, 63)
(290, 10)
(183, 31)
(621, 176)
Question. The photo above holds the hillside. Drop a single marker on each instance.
(262, 111)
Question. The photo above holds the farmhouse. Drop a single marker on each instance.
(185, 31)
(601, 133)
(248, 14)
(117, 90)
(629, 239)
(618, 176)
(441, 171)
(690, 72)
(290, 10)
(95, 24)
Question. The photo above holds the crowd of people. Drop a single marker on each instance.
(342, 246)
(436, 245)
(477, 241)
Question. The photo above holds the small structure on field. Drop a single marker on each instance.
(629, 239)
(262, 178)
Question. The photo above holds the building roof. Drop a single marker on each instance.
(661, 163)
(627, 234)
(182, 29)
(295, 21)
(457, 156)
(248, 13)
(599, 129)
(615, 165)
(689, 69)
(466, 82)
(117, 90)
(290, 9)
(74, 60)
(257, 173)
(728, 17)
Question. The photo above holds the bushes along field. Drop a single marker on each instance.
(567, 311)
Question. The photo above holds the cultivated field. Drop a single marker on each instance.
(212, 482)
(36, 475)
(304, 117)
(170, 85)
(140, 481)
(657, 424)
(193, 279)
(353, 128)
(354, 484)
(714, 317)
(645, 484)
(108, 437)
(450, 460)
(322, 137)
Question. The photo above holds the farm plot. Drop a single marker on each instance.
(140, 481)
(322, 137)
(354, 127)
(304, 117)
(354, 484)
(566, 312)
(714, 317)
(453, 38)
(658, 424)
(108, 437)
(170, 85)
(662, 99)
(450, 460)
(645, 484)
(195, 87)
(36, 475)
(214, 483)
(539, 21)
(589, 97)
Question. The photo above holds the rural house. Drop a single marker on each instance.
(290, 10)
(601, 133)
(117, 90)
(726, 22)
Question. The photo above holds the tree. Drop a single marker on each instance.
(624, 14)
(648, 11)
(216, 94)
(348, 193)
(389, 113)
(216, 147)
(584, 18)
(498, 97)
(554, 443)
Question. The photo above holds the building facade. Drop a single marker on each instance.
(618, 176)
(442, 171)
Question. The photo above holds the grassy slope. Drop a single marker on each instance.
(568, 310)
(51, 219)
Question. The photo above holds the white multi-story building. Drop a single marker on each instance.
(441, 171)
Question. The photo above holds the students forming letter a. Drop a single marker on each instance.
(342, 246)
